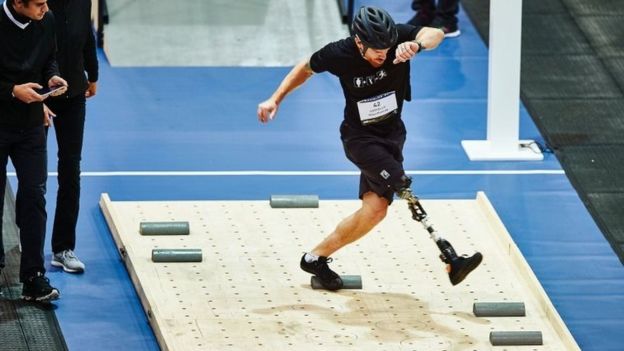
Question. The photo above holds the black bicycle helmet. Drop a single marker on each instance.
(375, 28)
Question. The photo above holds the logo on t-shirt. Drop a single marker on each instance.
(363, 82)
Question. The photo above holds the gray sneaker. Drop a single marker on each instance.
(68, 260)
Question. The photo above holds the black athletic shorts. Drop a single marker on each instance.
(380, 159)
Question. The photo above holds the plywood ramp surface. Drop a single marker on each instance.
(249, 293)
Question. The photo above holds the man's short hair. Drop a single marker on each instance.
(25, 2)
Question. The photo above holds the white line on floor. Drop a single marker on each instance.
(303, 173)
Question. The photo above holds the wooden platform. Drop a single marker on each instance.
(249, 293)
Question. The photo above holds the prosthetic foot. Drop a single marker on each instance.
(458, 266)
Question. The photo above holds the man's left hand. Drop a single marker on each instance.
(47, 115)
(56, 81)
(91, 90)
(405, 51)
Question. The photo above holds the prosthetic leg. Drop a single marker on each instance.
(460, 265)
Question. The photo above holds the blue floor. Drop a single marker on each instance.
(204, 120)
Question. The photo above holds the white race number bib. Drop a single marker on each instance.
(377, 108)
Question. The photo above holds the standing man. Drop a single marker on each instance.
(76, 55)
(373, 68)
(27, 63)
(437, 13)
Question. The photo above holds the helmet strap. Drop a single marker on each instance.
(363, 51)
(364, 47)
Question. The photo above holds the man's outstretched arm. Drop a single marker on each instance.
(296, 77)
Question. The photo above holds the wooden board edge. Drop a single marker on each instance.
(110, 214)
(525, 271)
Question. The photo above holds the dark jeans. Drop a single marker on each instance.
(446, 9)
(27, 150)
(2, 259)
(69, 128)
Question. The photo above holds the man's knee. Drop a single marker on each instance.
(376, 206)
(33, 192)
(379, 214)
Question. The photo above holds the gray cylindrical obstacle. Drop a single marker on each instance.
(176, 255)
(516, 338)
(294, 201)
(164, 228)
(499, 309)
(349, 282)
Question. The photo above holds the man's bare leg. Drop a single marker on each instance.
(350, 229)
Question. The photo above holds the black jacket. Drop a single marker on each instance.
(26, 55)
(76, 44)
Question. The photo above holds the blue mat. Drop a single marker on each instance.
(200, 119)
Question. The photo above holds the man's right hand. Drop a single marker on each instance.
(267, 110)
(26, 92)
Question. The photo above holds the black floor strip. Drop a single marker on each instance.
(573, 87)
(24, 326)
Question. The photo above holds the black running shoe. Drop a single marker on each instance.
(462, 265)
(328, 278)
(37, 288)
(450, 28)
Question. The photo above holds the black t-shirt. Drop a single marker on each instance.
(374, 96)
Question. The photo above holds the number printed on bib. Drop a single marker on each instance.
(377, 108)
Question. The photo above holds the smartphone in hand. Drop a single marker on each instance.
(54, 91)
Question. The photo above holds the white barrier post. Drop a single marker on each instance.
(503, 113)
